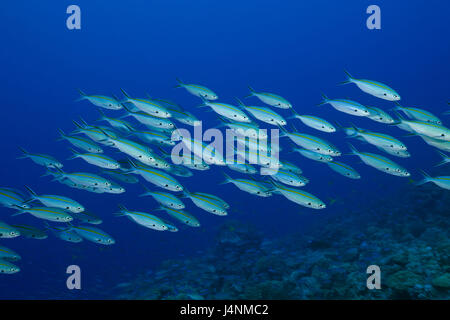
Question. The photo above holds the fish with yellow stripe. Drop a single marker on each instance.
(428, 129)
(207, 202)
(80, 142)
(286, 177)
(300, 197)
(83, 179)
(92, 234)
(9, 254)
(87, 217)
(344, 169)
(64, 233)
(178, 113)
(375, 138)
(133, 149)
(156, 177)
(271, 99)
(418, 114)
(197, 90)
(346, 106)
(7, 231)
(110, 103)
(164, 198)
(310, 142)
(12, 198)
(264, 114)
(7, 267)
(41, 159)
(149, 120)
(440, 181)
(142, 218)
(99, 160)
(181, 216)
(30, 232)
(315, 122)
(374, 88)
(227, 110)
(47, 213)
(55, 201)
(147, 106)
(249, 185)
(380, 163)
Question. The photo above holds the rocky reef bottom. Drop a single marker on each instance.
(407, 236)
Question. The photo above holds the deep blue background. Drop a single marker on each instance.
(293, 48)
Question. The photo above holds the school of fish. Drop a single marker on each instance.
(145, 146)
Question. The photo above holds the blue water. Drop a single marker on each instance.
(297, 49)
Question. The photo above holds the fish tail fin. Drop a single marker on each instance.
(129, 127)
(354, 151)
(24, 153)
(349, 78)
(79, 126)
(441, 163)
(126, 109)
(82, 95)
(75, 153)
(83, 122)
(102, 115)
(252, 92)
(324, 100)
(185, 193)
(401, 118)
(274, 184)
(62, 135)
(445, 158)
(146, 189)
(104, 132)
(180, 83)
(33, 195)
(47, 226)
(426, 178)
(227, 179)
(125, 94)
(284, 132)
(339, 126)
(240, 103)
(295, 114)
(21, 211)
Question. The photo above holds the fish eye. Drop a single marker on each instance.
(442, 135)
(309, 203)
(385, 94)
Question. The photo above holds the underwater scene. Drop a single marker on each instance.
(225, 150)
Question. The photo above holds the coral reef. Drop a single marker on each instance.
(406, 236)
